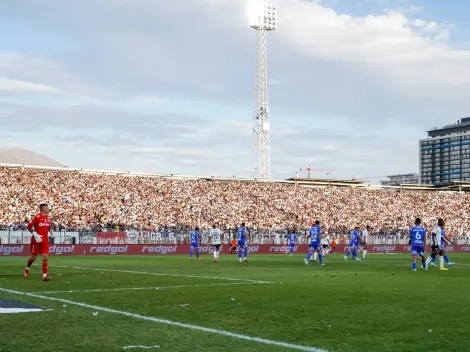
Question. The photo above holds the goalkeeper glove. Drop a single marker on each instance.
(37, 237)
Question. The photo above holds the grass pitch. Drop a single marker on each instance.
(377, 305)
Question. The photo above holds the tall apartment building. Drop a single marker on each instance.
(445, 156)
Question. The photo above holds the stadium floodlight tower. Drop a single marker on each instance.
(263, 19)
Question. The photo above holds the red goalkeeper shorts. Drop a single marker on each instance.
(40, 248)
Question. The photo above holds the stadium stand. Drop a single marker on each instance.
(100, 200)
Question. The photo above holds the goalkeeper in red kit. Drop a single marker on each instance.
(39, 228)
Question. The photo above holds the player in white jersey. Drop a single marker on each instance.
(364, 241)
(438, 242)
(325, 241)
(216, 241)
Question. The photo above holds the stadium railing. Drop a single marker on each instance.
(84, 236)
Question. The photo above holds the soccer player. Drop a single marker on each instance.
(437, 244)
(326, 244)
(292, 240)
(364, 240)
(354, 237)
(39, 228)
(417, 241)
(444, 239)
(333, 244)
(242, 245)
(315, 239)
(234, 246)
(215, 239)
(195, 236)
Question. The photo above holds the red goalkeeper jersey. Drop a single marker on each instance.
(41, 224)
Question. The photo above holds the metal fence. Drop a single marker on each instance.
(9, 236)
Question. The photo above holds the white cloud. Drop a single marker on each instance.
(13, 85)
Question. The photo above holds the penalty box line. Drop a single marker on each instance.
(170, 322)
(144, 288)
(162, 274)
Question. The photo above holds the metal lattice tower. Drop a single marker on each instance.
(264, 20)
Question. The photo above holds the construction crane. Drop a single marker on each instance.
(309, 170)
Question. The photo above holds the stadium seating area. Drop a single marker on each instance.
(83, 200)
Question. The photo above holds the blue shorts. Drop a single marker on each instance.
(292, 245)
(315, 247)
(194, 245)
(242, 244)
(353, 246)
(417, 250)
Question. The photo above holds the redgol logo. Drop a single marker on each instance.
(7, 250)
(449, 249)
(407, 248)
(384, 248)
(253, 249)
(159, 249)
(59, 250)
(108, 249)
(281, 249)
(465, 249)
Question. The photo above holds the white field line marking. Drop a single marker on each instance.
(144, 347)
(404, 263)
(172, 323)
(144, 288)
(161, 274)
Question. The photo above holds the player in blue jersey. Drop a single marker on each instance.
(354, 238)
(444, 241)
(292, 240)
(194, 243)
(418, 243)
(242, 245)
(315, 243)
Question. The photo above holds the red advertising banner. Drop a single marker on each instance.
(111, 237)
(165, 249)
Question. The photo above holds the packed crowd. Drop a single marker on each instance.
(98, 200)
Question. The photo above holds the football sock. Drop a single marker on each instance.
(191, 253)
(309, 255)
(197, 253)
(315, 256)
(44, 267)
(364, 253)
(446, 258)
(215, 254)
(320, 257)
(441, 261)
(30, 262)
(433, 259)
(240, 253)
(347, 254)
(246, 252)
(414, 264)
(428, 261)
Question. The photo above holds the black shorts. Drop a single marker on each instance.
(364, 246)
(234, 248)
(435, 249)
(216, 246)
(325, 246)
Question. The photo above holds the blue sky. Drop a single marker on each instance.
(158, 86)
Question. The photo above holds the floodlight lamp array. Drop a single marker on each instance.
(266, 19)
